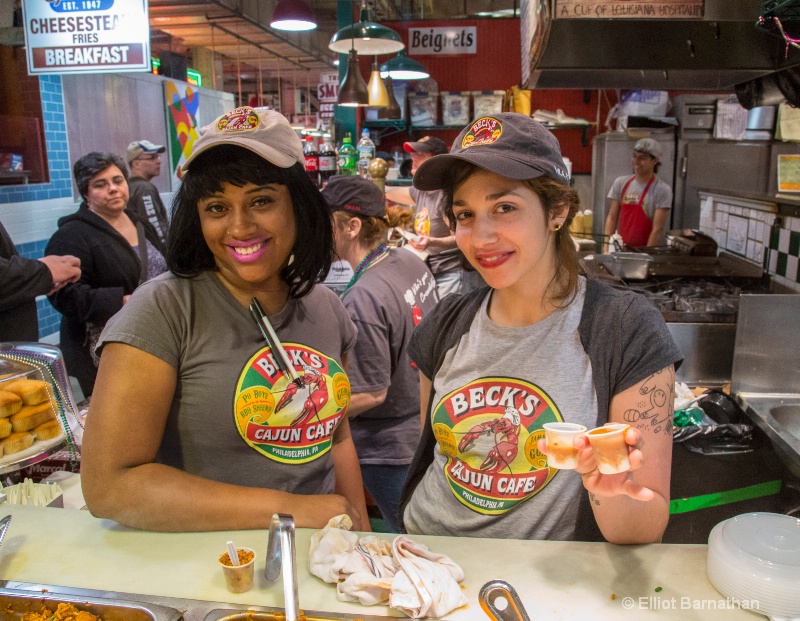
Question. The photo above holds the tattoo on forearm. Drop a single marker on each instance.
(654, 410)
(594, 499)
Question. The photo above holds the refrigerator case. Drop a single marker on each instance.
(612, 155)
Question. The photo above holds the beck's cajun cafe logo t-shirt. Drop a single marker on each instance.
(285, 420)
(488, 431)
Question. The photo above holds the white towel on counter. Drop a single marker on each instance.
(426, 585)
(404, 575)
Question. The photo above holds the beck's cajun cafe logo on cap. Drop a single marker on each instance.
(485, 130)
(488, 431)
(291, 421)
(239, 119)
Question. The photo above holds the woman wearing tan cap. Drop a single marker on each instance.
(196, 423)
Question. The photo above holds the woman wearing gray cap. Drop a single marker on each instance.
(389, 293)
(195, 422)
(540, 344)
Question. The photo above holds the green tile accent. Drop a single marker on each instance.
(774, 237)
(780, 269)
(794, 244)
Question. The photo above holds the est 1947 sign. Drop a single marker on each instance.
(86, 36)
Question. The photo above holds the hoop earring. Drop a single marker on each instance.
(557, 227)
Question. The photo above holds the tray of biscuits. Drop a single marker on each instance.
(31, 414)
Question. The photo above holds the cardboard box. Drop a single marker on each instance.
(58, 461)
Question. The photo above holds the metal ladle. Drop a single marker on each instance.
(500, 602)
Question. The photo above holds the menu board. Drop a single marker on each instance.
(788, 173)
(621, 9)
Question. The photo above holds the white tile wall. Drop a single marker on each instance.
(33, 221)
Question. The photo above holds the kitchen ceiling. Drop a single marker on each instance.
(238, 32)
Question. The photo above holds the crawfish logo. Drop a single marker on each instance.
(239, 119)
(486, 130)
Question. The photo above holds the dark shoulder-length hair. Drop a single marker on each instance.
(92, 164)
(554, 196)
(187, 252)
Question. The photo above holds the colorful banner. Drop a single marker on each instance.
(183, 103)
(86, 36)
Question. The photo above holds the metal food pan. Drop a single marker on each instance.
(13, 604)
(278, 614)
(630, 265)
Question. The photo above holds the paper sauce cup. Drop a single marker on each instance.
(240, 578)
(609, 448)
(561, 453)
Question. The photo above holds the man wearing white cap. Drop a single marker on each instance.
(640, 203)
(144, 158)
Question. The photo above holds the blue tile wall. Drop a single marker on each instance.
(55, 131)
(49, 317)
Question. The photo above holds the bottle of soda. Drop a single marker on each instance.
(366, 153)
(311, 160)
(348, 157)
(327, 161)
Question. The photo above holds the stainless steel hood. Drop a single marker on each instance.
(722, 49)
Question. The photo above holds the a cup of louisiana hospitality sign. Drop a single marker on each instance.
(86, 36)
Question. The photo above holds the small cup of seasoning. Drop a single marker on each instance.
(560, 450)
(609, 447)
(238, 578)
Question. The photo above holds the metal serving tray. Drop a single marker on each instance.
(14, 603)
(22, 597)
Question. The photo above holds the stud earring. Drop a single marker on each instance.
(557, 227)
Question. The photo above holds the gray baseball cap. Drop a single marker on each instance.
(264, 132)
(508, 144)
(650, 146)
(140, 147)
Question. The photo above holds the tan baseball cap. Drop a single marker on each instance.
(264, 132)
(649, 146)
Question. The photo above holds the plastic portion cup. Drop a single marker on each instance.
(561, 453)
(609, 447)
(238, 579)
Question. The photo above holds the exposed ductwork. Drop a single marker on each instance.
(717, 52)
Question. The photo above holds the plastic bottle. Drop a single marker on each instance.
(327, 161)
(311, 160)
(348, 157)
(366, 153)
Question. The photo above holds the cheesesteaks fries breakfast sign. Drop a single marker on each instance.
(291, 421)
(86, 36)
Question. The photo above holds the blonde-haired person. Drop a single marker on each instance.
(193, 425)
(389, 293)
(541, 343)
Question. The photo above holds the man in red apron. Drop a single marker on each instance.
(640, 203)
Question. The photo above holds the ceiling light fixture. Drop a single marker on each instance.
(366, 37)
(293, 15)
(401, 67)
(353, 91)
(378, 97)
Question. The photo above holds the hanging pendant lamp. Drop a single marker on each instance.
(378, 97)
(353, 91)
(293, 15)
(366, 37)
(401, 67)
(392, 111)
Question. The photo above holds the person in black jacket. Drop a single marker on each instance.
(21, 280)
(117, 250)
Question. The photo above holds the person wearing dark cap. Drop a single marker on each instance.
(541, 343)
(640, 203)
(433, 233)
(389, 293)
(222, 394)
(144, 159)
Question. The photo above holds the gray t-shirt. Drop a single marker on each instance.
(430, 203)
(659, 196)
(235, 418)
(566, 367)
(487, 419)
(145, 201)
(386, 304)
